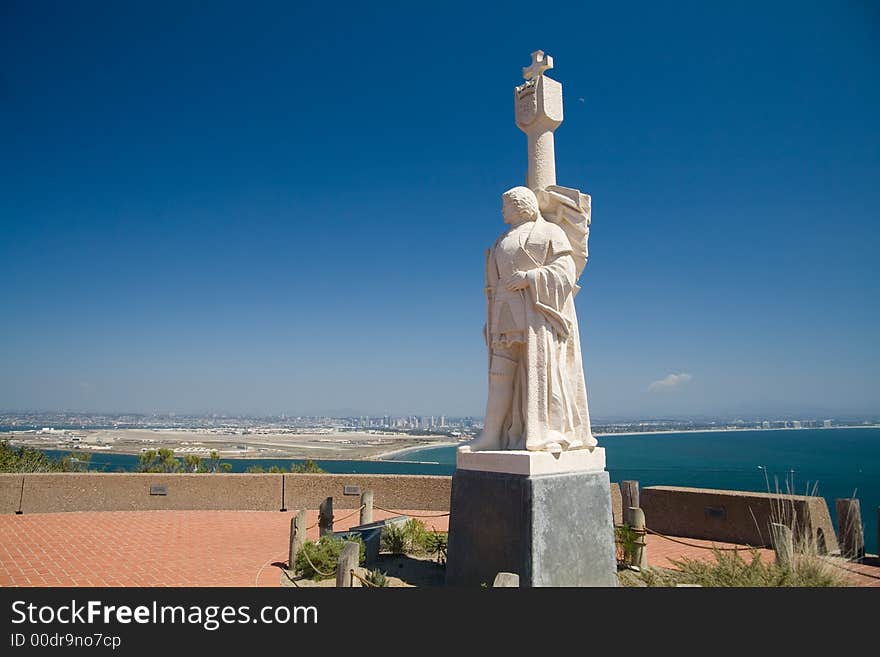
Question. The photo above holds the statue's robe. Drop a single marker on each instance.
(539, 326)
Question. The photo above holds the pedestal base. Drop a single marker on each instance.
(550, 529)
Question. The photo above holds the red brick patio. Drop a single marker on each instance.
(192, 548)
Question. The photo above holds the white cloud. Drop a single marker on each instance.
(670, 382)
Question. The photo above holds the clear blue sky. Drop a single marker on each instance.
(283, 207)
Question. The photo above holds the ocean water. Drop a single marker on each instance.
(832, 463)
(109, 462)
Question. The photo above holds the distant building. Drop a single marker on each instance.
(797, 424)
(765, 424)
(827, 424)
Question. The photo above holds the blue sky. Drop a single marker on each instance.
(283, 207)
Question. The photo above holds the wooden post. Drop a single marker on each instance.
(297, 537)
(849, 529)
(629, 495)
(635, 518)
(783, 543)
(367, 504)
(506, 580)
(348, 561)
(325, 517)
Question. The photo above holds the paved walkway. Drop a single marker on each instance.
(194, 548)
(662, 551)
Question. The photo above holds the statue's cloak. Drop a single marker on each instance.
(550, 393)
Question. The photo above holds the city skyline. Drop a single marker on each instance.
(33, 418)
(213, 210)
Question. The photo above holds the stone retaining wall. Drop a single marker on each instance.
(721, 515)
(60, 492)
(307, 491)
(735, 516)
(10, 492)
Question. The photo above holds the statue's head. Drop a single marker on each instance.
(519, 204)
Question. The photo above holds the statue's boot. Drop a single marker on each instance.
(551, 442)
(555, 443)
(498, 404)
(588, 443)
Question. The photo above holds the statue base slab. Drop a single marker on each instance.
(532, 463)
(551, 529)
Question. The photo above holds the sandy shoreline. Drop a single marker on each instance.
(266, 444)
(405, 450)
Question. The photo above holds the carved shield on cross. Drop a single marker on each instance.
(525, 103)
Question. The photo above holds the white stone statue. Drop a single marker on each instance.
(537, 397)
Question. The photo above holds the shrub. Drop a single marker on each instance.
(416, 535)
(625, 538)
(307, 467)
(164, 461)
(78, 462)
(213, 464)
(414, 538)
(259, 469)
(436, 545)
(28, 459)
(191, 463)
(377, 578)
(318, 560)
(394, 539)
(157, 461)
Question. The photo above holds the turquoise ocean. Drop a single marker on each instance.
(833, 463)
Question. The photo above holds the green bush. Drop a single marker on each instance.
(307, 467)
(324, 555)
(28, 459)
(436, 544)
(625, 540)
(259, 469)
(377, 578)
(213, 464)
(416, 535)
(164, 461)
(414, 538)
(157, 461)
(394, 539)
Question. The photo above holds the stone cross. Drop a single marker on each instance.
(540, 63)
(538, 111)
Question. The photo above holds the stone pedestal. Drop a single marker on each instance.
(546, 518)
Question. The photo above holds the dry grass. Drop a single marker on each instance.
(807, 565)
(730, 569)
